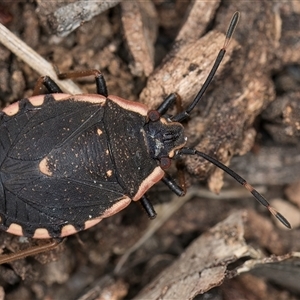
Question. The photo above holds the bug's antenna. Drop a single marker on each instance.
(239, 179)
(233, 23)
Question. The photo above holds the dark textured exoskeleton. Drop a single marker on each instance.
(66, 162)
(72, 159)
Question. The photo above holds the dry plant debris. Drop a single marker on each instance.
(203, 264)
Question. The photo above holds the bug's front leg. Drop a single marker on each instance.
(168, 102)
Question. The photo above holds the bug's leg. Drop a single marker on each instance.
(148, 207)
(172, 185)
(168, 102)
(100, 81)
(48, 83)
(6, 258)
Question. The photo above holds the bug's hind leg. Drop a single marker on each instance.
(7, 258)
(48, 83)
(100, 81)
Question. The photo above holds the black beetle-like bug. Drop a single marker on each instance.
(67, 162)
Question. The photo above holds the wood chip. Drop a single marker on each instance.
(61, 18)
(203, 264)
(140, 28)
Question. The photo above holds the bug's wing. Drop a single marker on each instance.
(34, 131)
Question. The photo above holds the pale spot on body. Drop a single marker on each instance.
(99, 131)
(43, 166)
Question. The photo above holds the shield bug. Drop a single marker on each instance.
(68, 161)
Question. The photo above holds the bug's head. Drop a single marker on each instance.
(164, 137)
